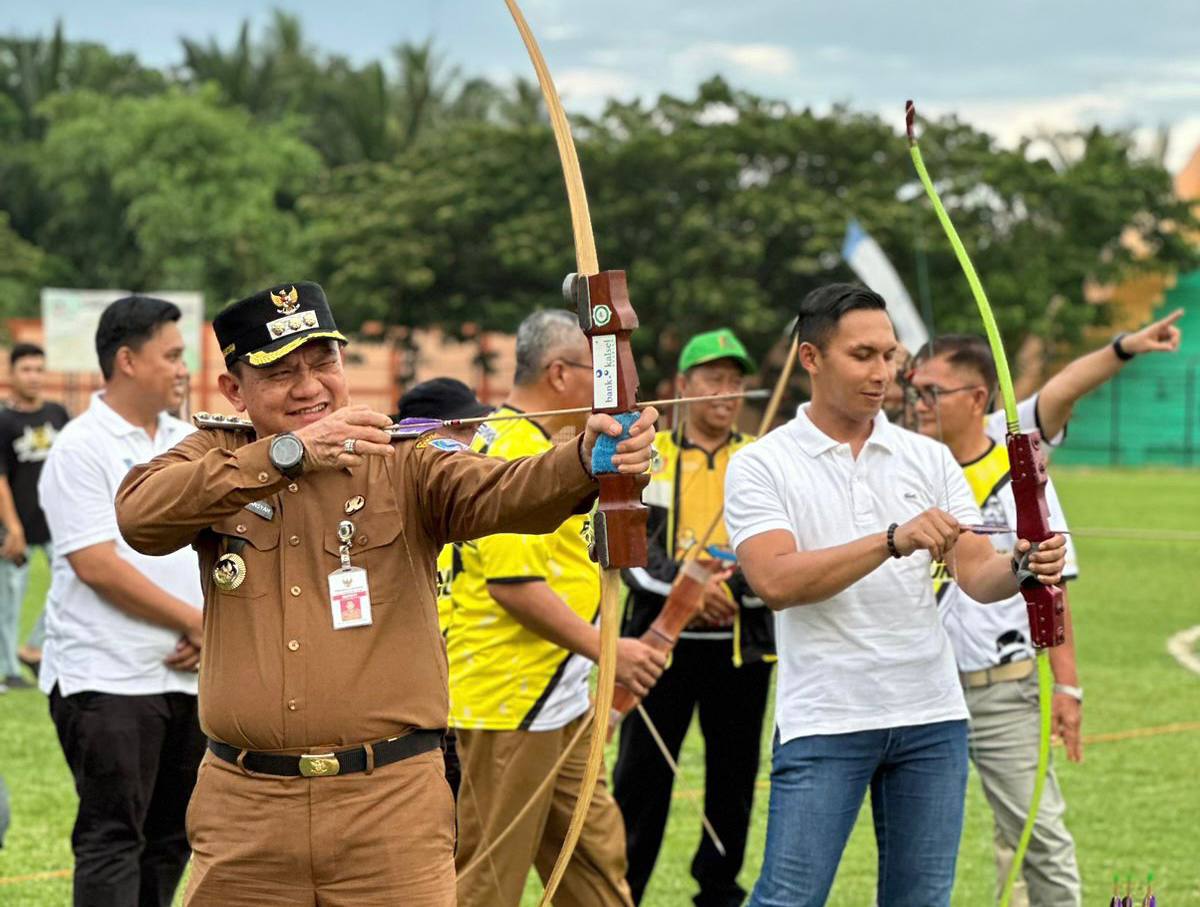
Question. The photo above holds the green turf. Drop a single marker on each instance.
(1132, 805)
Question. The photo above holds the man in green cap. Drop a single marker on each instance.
(721, 664)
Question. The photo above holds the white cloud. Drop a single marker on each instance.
(590, 88)
(563, 32)
(754, 58)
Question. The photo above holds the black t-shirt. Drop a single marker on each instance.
(25, 439)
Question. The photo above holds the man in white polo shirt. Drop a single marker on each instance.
(123, 629)
(836, 518)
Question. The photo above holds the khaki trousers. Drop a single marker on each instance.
(374, 840)
(1003, 744)
(500, 769)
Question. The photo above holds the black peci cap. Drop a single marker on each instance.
(263, 328)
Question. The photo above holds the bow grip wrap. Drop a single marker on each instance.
(1044, 604)
(607, 318)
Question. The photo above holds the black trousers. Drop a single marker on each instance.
(731, 702)
(134, 759)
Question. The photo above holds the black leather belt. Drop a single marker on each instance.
(317, 765)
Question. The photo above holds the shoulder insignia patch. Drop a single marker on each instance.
(216, 420)
(431, 439)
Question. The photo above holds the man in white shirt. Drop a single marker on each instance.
(836, 518)
(955, 381)
(123, 629)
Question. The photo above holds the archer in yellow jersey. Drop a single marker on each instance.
(504, 676)
(520, 647)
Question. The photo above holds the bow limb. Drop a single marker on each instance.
(1027, 468)
(610, 607)
(581, 221)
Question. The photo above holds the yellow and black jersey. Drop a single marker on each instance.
(685, 495)
(449, 568)
(502, 675)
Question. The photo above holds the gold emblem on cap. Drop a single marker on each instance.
(310, 319)
(355, 504)
(286, 303)
(294, 324)
(277, 328)
(229, 572)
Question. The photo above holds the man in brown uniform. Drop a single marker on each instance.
(323, 674)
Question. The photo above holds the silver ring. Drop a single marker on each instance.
(348, 445)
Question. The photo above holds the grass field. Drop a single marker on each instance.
(1134, 804)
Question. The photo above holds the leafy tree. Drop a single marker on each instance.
(22, 267)
(33, 69)
(726, 209)
(173, 191)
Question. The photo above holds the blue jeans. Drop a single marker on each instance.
(14, 581)
(918, 780)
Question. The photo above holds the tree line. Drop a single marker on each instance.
(420, 195)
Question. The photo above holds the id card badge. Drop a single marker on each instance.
(349, 598)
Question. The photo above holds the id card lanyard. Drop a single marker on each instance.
(349, 595)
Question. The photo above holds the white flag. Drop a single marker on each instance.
(871, 265)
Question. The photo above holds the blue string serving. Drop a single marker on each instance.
(606, 445)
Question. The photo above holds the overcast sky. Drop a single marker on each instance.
(1008, 66)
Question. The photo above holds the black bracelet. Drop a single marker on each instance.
(891, 540)
(1121, 352)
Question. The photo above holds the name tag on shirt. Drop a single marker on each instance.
(349, 598)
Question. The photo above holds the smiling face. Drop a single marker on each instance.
(851, 375)
(303, 387)
(951, 400)
(157, 367)
(721, 376)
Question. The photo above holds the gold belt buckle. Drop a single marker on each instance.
(318, 765)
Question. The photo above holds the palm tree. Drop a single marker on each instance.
(31, 70)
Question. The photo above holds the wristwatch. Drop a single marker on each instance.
(1075, 693)
(286, 454)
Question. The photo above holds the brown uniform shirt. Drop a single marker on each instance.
(275, 674)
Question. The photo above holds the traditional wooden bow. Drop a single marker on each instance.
(620, 526)
(1044, 604)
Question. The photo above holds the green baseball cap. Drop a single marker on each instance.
(714, 345)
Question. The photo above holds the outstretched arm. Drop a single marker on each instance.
(1088, 372)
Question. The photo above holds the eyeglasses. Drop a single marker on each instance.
(930, 395)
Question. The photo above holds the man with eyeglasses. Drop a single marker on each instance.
(953, 382)
(720, 667)
(521, 648)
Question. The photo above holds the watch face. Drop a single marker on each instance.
(287, 451)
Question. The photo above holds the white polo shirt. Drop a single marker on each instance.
(875, 655)
(90, 644)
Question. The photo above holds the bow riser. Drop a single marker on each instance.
(607, 318)
(1043, 604)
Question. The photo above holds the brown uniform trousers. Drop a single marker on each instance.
(276, 677)
(358, 840)
(499, 770)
